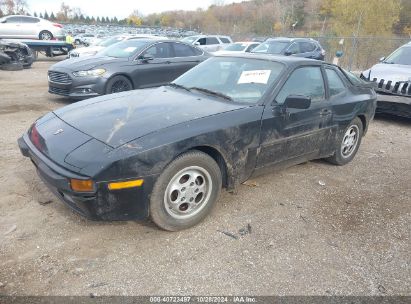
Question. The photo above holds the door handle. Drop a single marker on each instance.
(325, 112)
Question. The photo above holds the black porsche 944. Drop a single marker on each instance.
(166, 152)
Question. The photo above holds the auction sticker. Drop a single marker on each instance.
(256, 76)
(130, 49)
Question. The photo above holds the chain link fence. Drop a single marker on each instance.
(360, 53)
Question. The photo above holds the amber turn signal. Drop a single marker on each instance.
(125, 185)
(81, 185)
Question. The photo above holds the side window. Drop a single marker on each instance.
(212, 40)
(307, 81)
(335, 83)
(13, 20)
(182, 50)
(202, 41)
(251, 47)
(34, 20)
(159, 50)
(294, 48)
(224, 40)
(29, 20)
(306, 47)
(198, 52)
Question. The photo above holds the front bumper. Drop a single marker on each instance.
(77, 87)
(102, 204)
(394, 105)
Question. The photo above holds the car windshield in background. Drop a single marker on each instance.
(271, 47)
(235, 47)
(400, 56)
(124, 49)
(238, 79)
(110, 41)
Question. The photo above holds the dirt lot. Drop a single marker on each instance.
(316, 229)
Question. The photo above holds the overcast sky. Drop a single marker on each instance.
(122, 8)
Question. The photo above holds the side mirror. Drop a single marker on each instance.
(146, 58)
(288, 53)
(382, 59)
(297, 102)
(197, 43)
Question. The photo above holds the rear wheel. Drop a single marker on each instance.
(45, 35)
(348, 143)
(186, 191)
(118, 84)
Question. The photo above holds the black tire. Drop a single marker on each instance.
(185, 171)
(45, 35)
(118, 84)
(15, 66)
(343, 154)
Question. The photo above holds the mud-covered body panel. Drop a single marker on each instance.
(154, 126)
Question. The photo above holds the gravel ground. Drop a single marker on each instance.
(313, 229)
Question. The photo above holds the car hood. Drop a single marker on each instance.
(119, 118)
(222, 52)
(90, 49)
(393, 72)
(86, 63)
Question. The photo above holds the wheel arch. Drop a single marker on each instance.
(219, 158)
(363, 119)
(119, 74)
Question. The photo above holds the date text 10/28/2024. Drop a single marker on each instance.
(206, 299)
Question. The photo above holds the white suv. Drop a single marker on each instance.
(210, 43)
(19, 26)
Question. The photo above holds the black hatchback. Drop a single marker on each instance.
(124, 66)
(299, 47)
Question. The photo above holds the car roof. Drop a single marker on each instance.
(246, 42)
(288, 39)
(288, 60)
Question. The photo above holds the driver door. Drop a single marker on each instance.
(156, 71)
(291, 136)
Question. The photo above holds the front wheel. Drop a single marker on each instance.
(348, 143)
(45, 35)
(186, 191)
(118, 84)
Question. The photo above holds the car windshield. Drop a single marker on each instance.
(109, 41)
(235, 47)
(400, 56)
(124, 49)
(271, 47)
(189, 40)
(242, 80)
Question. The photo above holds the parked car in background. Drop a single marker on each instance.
(27, 27)
(83, 38)
(237, 47)
(124, 66)
(299, 47)
(167, 152)
(94, 49)
(15, 55)
(392, 77)
(210, 43)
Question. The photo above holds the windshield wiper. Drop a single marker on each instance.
(179, 86)
(210, 92)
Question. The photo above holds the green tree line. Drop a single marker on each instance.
(259, 17)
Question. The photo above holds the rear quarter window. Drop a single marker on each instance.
(353, 79)
(212, 40)
(225, 40)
